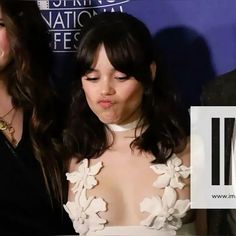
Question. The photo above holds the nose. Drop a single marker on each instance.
(107, 88)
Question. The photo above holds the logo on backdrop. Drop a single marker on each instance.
(213, 157)
(65, 18)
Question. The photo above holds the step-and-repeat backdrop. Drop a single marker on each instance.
(195, 38)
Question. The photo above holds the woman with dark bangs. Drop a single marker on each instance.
(128, 146)
(31, 179)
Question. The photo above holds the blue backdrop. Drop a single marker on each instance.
(196, 39)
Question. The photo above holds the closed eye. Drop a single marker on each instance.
(91, 78)
(122, 78)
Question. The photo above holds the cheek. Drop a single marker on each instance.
(5, 52)
(89, 94)
(134, 96)
(4, 40)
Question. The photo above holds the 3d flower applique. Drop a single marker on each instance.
(84, 213)
(165, 212)
(77, 216)
(84, 176)
(170, 174)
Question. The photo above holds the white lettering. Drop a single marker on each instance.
(76, 3)
(65, 23)
(76, 38)
(57, 4)
(67, 39)
(59, 21)
(48, 19)
(68, 13)
(57, 39)
(80, 15)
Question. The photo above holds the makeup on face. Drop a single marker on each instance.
(114, 97)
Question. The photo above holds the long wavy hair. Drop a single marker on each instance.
(129, 47)
(28, 83)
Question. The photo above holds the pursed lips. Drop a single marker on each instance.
(105, 103)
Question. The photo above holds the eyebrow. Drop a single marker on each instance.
(91, 70)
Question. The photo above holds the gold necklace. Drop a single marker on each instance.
(7, 126)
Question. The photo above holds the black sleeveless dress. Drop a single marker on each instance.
(25, 207)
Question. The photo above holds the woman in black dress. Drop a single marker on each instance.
(30, 170)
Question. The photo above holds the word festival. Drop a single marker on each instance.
(66, 18)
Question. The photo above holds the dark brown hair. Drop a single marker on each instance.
(129, 47)
(28, 83)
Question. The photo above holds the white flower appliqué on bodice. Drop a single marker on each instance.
(83, 211)
(165, 212)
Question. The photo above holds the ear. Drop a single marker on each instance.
(153, 68)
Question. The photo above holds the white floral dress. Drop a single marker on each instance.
(165, 212)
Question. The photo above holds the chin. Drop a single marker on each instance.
(108, 121)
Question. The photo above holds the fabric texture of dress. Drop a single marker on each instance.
(25, 207)
(164, 212)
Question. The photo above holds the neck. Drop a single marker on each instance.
(125, 127)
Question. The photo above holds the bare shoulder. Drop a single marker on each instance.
(184, 154)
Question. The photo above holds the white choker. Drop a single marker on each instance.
(126, 127)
